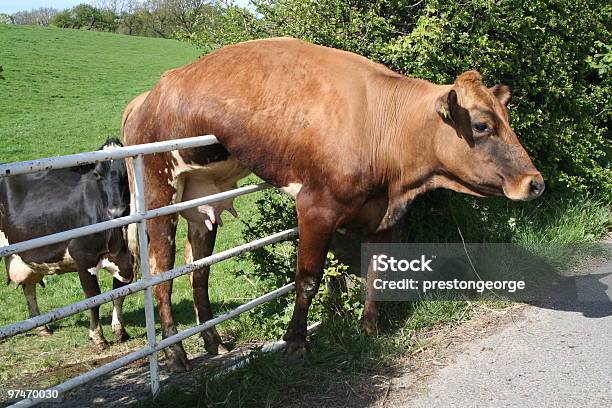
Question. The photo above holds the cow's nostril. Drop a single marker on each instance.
(536, 186)
(115, 212)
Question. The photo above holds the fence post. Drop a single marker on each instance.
(139, 196)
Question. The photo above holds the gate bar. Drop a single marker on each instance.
(143, 250)
(168, 341)
(59, 162)
(74, 308)
(128, 219)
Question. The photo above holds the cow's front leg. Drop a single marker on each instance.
(29, 290)
(117, 323)
(90, 285)
(370, 310)
(162, 249)
(317, 222)
(200, 244)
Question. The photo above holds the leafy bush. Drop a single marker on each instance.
(274, 266)
(554, 53)
(5, 19)
(85, 16)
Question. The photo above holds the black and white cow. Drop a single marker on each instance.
(38, 204)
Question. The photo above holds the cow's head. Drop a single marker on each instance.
(477, 148)
(119, 261)
(111, 176)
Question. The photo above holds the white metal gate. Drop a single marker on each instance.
(147, 281)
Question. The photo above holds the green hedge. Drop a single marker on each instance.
(554, 54)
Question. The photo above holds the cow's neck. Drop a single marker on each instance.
(406, 150)
(404, 159)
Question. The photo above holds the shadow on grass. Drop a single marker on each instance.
(341, 368)
(182, 311)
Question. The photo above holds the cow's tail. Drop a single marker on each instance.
(3, 239)
(132, 229)
(132, 233)
(130, 109)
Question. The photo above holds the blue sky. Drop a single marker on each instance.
(12, 6)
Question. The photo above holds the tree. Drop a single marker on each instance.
(185, 12)
(116, 6)
(166, 18)
(63, 19)
(131, 23)
(40, 16)
(85, 16)
(108, 21)
(5, 19)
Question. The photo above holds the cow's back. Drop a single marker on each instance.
(297, 102)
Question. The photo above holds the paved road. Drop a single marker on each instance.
(558, 356)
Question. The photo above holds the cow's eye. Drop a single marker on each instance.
(480, 127)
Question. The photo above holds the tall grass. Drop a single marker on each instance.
(340, 351)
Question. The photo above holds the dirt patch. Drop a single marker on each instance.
(405, 377)
(128, 385)
(381, 386)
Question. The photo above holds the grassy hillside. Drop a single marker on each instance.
(64, 90)
(64, 93)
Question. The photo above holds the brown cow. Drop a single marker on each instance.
(353, 141)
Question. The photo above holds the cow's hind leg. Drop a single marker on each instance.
(162, 249)
(117, 323)
(317, 221)
(201, 243)
(29, 290)
(90, 285)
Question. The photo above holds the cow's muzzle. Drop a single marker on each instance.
(116, 212)
(526, 188)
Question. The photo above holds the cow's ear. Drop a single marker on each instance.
(445, 105)
(503, 93)
(452, 113)
(448, 107)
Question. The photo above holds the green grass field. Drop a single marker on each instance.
(64, 92)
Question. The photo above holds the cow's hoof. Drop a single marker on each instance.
(212, 342)
(44, 331)
(215, 348)
(98, 339)
(295, 352)
(176, 358)
(221, 349)
(100, 343)
(121, 336)
(370, 326)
